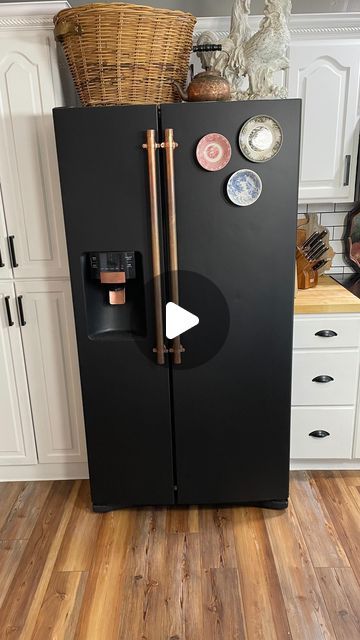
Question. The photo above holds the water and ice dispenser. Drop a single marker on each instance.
(114, 294)
(113, 269)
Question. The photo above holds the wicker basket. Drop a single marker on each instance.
(125, 54)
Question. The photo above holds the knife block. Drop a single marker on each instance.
(306, 276)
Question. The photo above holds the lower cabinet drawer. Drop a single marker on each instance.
(325, 377)
(331, 428)
(326, 332)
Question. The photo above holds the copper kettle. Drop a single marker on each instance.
(207, 85)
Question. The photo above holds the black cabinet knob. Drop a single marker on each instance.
(319, 433)
(326, 333)
(323, 379)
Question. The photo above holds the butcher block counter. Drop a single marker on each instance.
(327, 297)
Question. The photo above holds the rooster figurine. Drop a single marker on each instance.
(256, 56)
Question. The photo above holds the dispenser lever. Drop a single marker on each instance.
(117, 296)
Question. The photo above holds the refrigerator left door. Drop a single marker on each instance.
(105, 191)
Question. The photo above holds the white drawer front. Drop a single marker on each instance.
(347, 330)
(338, 422)
(342, 366)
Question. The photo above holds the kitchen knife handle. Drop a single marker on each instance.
(319, 253)
(310, 239)
(151, 147)
(326, 333)
(323, 379)
(313, 250)
(169, 145)
(316, 240)
(347, 170)
(319, 433)
(320, 264)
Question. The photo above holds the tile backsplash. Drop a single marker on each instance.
(332, 216)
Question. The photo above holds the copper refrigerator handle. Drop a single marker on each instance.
(169, 145)
(151, 145)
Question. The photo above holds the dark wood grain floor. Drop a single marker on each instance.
(182, 574)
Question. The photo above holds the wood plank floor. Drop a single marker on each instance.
(182, 574)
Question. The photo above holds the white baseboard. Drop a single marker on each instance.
(58, 471)
(79, 470)
(325, 465)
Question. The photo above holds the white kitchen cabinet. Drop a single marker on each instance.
(325, 74)
(325, 377)
(327, 332)
(41, 416)
(29, 89)
(17, 442)
(322, 432)
(48, 335)
(324, 413)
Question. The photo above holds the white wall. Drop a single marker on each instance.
(223, 7)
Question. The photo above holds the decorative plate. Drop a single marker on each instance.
(260, 138)
(244, 187)
(213, 152)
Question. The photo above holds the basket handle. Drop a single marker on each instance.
(67, 28)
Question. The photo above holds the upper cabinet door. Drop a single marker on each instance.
(48, 334)
(17, 442)
(325, 74)
(29, 89)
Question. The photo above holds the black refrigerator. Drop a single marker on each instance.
(203, 418)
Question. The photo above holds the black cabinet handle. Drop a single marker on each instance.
(347, 171)
(2, 264)
(8, 311)
(326, 333)
(323, 379)
(319, 433)
(12, 252)
(21, 311)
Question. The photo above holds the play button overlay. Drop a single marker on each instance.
(178, 320)
(201, 319)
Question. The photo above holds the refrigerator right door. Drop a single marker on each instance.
(231, 393)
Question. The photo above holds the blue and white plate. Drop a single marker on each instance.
(244, 187)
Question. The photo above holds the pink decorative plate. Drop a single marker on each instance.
(213, 152)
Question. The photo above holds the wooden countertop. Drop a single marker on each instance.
(328, 297)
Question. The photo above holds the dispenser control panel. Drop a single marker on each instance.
(112, 262)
